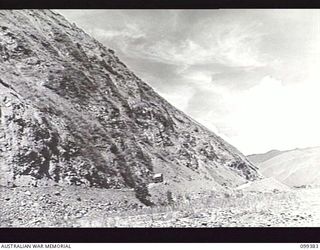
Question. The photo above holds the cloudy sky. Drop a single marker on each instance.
(251, 76)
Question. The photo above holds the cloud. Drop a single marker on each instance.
(131, 32)
(180, 98)
(271, 113)
(233, 48)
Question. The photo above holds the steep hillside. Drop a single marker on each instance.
(295, 167)
(73, 113)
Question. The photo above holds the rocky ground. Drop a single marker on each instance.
(284, 209)
(60, 206)
(81, 207)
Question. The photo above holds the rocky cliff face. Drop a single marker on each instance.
(73, 113)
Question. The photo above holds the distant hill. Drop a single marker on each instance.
(294, 168)
(258, 158)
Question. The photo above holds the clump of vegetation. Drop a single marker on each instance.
(142, 194)
(170, 198)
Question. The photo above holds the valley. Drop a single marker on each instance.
(84, 142)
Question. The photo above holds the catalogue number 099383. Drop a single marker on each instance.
(310, 246)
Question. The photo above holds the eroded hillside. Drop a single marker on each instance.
(73, 113)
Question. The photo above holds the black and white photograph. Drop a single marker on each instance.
(150, 118)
